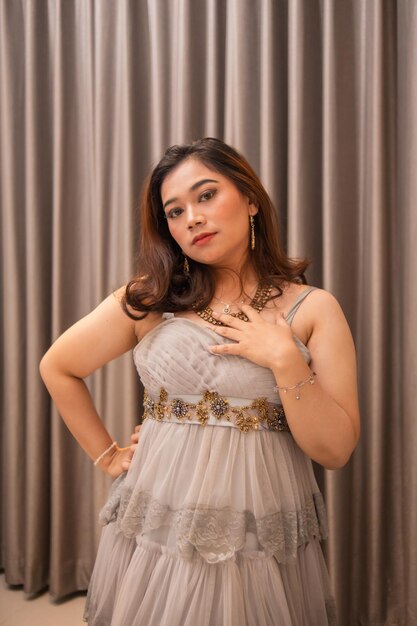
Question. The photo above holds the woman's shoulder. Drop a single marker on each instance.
(317, 304)
(143, 325)
(293, 292)
(317, 301)
(319, 309)
(319, 298)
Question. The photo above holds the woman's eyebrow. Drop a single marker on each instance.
(193, 187)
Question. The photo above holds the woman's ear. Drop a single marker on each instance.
(253, 207)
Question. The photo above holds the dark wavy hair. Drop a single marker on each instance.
(161, 284)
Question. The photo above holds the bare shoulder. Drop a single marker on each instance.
(330, 338)
(318, 310)
(99, 337)
(141, 326)
(321, 304)
(108, 320)
(322, 310)
(317, 300)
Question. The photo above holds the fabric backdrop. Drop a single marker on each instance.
(321, 96)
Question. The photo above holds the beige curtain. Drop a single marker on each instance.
(321, 96)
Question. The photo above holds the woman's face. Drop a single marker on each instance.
(207, 215)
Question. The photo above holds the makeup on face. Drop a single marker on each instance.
(207, 215)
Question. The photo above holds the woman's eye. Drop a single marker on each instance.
(174, 212)
(207, 194)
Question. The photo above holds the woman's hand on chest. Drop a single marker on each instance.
(264, 342)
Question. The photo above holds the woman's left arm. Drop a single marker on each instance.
(325, 420)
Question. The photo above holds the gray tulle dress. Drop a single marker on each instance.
(219, 519)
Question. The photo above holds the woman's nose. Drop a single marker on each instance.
(194, 217)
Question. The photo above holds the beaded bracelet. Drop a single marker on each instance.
(310, 380)
(103, 454)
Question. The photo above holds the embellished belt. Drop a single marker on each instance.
(213, 409)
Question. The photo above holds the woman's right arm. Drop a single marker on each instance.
(101, 336)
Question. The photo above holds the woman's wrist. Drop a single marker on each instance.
(106, 457)
(291, 373)
(105, 452)
(288, 356)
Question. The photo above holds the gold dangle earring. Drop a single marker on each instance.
(186, 266)
(252, 232)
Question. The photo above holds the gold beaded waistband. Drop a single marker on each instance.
(213, 409)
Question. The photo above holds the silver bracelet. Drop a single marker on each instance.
(103, 454)
(310, 380)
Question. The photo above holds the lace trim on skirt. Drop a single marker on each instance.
(216, 533)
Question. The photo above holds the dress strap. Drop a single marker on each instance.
(289, 318)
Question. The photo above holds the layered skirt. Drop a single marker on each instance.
(212, 527)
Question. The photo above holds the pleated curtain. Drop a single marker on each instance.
(321, 97)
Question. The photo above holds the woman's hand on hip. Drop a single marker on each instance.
(121, 458)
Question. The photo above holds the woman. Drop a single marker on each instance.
(218, 519)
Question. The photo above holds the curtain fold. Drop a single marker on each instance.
(403, 386)
(321, 96)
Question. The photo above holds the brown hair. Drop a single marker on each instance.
(161, 284)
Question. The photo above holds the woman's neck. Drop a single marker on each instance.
(231, 287)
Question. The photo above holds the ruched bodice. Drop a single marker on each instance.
(175, 355)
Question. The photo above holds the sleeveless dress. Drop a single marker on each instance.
(219, 519)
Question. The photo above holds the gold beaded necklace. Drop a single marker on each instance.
(258, 302)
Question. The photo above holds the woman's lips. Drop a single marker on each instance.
(204, 240)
